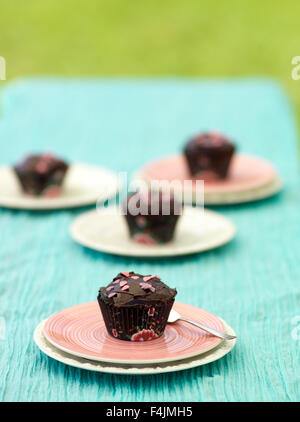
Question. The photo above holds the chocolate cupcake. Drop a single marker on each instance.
(208, 155)
(136, 307)
(152, 217)
(41, 175)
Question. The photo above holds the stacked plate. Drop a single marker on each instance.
(77, 336)
(250, 179)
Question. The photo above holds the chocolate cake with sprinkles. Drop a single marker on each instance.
(152, 216)
(41, 175)
(209, 155)
(136, 307)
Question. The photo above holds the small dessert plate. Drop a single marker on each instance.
(83, 185)
(197, 230)
(250, 178)
(80, 331)
(131, 369)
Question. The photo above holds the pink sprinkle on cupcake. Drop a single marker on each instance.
(41, 167)
(145, 285)
(148, 286)
(149, 277)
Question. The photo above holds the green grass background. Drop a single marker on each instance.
(159, 37)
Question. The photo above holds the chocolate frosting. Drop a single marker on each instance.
(210, 141)
(41, 164)
(37, 173)
(130, 289)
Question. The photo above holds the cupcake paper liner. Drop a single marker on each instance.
(135, 323)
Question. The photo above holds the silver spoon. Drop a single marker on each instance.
(175, 316)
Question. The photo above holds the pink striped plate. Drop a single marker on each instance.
(246, 173)
(80, 331)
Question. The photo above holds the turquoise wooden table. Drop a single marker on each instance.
(253, 282)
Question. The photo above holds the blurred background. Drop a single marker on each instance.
(159, 38)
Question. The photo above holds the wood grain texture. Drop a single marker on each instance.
(252, 283)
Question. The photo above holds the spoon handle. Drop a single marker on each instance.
(209, 330)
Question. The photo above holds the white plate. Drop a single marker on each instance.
(250, 195)
(83, 185)
(133, 369)
(197, 230)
